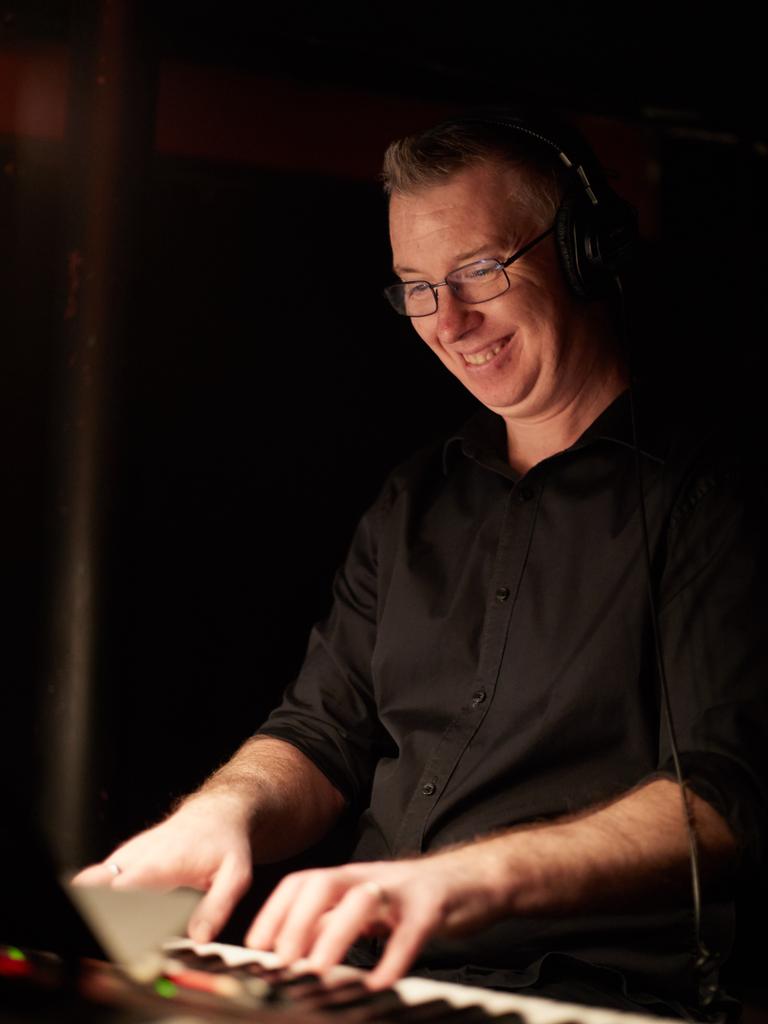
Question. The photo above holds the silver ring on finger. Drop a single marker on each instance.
(114, 868)
(382, 897)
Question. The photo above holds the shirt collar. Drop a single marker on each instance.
(483, 436)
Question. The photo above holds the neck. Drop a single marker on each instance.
(534, 438)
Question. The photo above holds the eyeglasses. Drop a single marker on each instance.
(476, 282)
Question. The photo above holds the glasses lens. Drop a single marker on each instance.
(412, 298)
(478, 282)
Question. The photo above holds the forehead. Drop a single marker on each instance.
(476, 207)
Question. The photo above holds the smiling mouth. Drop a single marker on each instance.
(481, 358)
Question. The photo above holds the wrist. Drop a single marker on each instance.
(222, 803)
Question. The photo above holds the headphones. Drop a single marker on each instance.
(595, 229)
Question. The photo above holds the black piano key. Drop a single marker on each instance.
(295, 980)
(305, 992)
(348, 996)
(211, 962)
(338, 993)
(376, 1007)
(418, 1013)
(468, 1015)
(514, 1017)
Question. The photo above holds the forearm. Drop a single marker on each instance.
(622, 855)
(282, 799)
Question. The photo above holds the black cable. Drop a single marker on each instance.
(705, 961)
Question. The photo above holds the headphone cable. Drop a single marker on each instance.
(705, 962)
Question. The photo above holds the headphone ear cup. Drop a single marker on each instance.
(595, 243)
(613, 239)
(569, 245)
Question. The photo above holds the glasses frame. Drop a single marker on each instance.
(446, 282)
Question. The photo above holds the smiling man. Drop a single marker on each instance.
(484, 693)
(537, 355)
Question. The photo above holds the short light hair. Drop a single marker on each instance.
(432, 157)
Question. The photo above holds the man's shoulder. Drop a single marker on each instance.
(717, 454)
(690, 431)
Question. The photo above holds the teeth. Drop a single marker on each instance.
(484, 357)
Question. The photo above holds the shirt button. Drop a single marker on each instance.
(502, 594)
(428, 789)
(478, 698)
(523, 494)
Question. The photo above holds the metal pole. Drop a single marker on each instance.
(90, 310)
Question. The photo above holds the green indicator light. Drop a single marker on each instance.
(15, 954)
(165, 988)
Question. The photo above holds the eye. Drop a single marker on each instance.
(415, 289)
(480, 271)
(475, 273)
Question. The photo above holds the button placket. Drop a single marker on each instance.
(509, 563)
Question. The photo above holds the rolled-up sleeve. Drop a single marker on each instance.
(329, 711)
(713, 620)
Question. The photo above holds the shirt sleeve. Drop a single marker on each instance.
(713, 617)
(329, 711)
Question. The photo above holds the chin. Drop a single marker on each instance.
(499, 400)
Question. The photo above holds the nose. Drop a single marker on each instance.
(454, 319)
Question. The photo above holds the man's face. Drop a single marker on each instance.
(512, 351)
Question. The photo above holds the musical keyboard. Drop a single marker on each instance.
(216, 983)
(341, 996)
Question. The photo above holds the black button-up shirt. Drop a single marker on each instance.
(488, 661)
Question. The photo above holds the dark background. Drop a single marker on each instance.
(197, 356)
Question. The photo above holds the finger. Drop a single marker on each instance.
(159, 867)
(148, 875)
(118, 871)
(356, 911)
(268, 921)
(110, 871)
(401, 950)
(94, 874)
(298, 932)
(211, 914)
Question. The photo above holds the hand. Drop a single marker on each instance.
(205, 845)
(318, 914)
